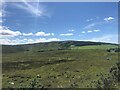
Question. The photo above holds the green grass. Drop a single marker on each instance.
(95, 47)
(76, 67)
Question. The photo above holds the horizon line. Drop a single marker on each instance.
(59, 41)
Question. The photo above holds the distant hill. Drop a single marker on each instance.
(55, 45)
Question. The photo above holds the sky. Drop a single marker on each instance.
(35, 22)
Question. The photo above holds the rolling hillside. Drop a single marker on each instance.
(58, 45)
(64, 64)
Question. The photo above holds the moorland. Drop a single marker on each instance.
(59, 64)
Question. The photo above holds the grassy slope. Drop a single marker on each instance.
(57, 68)
(47, 46)
(96, 47)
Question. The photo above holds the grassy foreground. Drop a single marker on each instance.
(76, 67)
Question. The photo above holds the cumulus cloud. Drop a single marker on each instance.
(7, 41)
(83, 32)
(108, 19)
(89, 31)
(38, 34)
(52, 34)
(97, 30)
(53, 39)
(67, 34)
(6, 32)
(40, 40)
(25, 39)
(43, 34)
(27, 34)
(46, 40)
(16, 41)
(0, 14)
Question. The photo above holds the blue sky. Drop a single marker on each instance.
(30, 22)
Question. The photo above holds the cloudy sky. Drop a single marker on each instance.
(30, 22)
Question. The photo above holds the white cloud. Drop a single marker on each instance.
(16, 41)
(43, 34)
(27, 34)
(40, 40)
(6, 32)
(30, 41)
(32, 8)
(89, 31)
(25, 39)
(7, 41)
(108, 19)
(0, 14)
(97, 30)
(97, 23)
(83, 32)
(67, 34)
(46, 40)
(52, 34)
(38, 34)
(53, 39)
(89, 26)
(71, 30)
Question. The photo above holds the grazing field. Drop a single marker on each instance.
(96, 47)
(72, 67)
